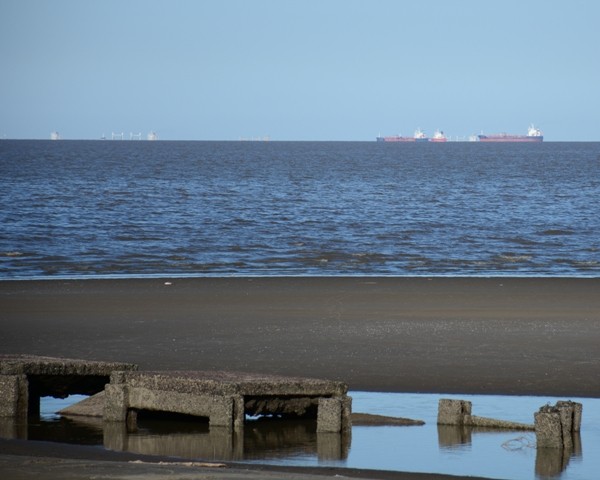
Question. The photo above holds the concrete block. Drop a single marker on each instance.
(14, 396)
(346, 414)
(453, 412)
(239, 414)
(577, 411)
(548, 428)
(218, 409)
(9, 395)
(329, 416)
(116, 402)
(566, 421)
(558, 426)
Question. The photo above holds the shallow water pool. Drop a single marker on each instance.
(427, 448)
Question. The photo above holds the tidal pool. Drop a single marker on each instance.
(428, 448)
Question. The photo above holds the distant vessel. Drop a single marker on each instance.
(419, 136)
(533, 135)
(439, 136)
(152, 136)
(54, 136)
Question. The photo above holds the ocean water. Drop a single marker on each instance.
(138, 208)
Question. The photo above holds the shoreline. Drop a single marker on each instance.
(221, 276)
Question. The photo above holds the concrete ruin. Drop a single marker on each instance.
(556, 431)
(225, 398)
(555, 425)
(557, 436)
(24, 379)
(458, 413)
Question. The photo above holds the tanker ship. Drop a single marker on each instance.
(533, 135)
(419, 136)
(439, 136)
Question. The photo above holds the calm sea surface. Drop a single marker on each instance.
(136, 208)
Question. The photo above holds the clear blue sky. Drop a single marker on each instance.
(298, 69)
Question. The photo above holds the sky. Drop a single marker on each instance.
(299, 69)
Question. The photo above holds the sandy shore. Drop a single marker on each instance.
(465, 335)
(444, 335)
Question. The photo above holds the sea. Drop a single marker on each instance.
(95, 209)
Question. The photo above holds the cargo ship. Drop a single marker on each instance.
(533, 135)
(419, 136)
(439, 136)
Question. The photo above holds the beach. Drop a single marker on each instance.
(517, 336)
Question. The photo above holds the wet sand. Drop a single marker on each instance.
(445, 335)
(449, 335)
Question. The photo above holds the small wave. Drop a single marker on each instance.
(368, 257)
(513, 258)
(557, 232)
(522, 241)
(586, 264)
(12, 254)
(177, 258)
(132, 238)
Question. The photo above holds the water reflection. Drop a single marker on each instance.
(273, 438)
(77, 431)
(13, 429)
(549, 462)
(202, 443)
(451, 436)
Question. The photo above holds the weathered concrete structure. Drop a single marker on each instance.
(24, 379)
(226, 397)
(458, 412)
(557, 436)
(556, 425)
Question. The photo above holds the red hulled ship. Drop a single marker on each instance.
(439, 136)
(533, 135)
(419, 136)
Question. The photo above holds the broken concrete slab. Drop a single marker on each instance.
(458, 412)
(368, 419)
(226, 397)
(92, 406)
(24, 379)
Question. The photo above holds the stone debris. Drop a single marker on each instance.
(458, 412)
(367, 419)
